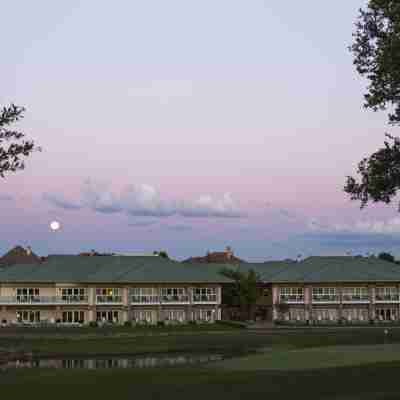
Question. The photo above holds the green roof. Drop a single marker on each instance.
(131, 269)
(112, 269)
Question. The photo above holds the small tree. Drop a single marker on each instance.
(11, 154)
(245, 290)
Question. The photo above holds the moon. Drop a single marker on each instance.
(55, 226)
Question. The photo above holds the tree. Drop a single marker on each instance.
(161, 253)
(12, 146)
(376, 51)
(386, 257)
(244, 291)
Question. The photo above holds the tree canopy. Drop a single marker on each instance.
(245, 290)
(386, 257)
(13, 147)
(376, 52)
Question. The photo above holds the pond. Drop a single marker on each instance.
(149, 361)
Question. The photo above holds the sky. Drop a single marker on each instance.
(188, 126)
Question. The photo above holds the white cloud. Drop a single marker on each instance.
(145, 200)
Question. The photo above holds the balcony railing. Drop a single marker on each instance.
(207, 298)
(325, 299)
(100, 299)
(355, 299)
(38, 300)
(145, 299)
(175, 299)
(291, 298)
(393, 298)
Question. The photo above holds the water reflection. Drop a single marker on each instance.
(115, 362)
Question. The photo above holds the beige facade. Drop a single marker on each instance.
(349, 302)
(83, 303)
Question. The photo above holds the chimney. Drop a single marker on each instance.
(28, 250)
(228, 252)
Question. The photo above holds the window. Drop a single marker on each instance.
(386, 294)
(355, 294)
(107, 316)
(355, 314)
(290, 294)
(144, 295)
(171, 295)
(324, 294)
(148, 316)
(73, 317)
(108, 295)
(28, 316)
(205, 295)
(204, 315)
(74, 295)
(28, 295)
(175, 315)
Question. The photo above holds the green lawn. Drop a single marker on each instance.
(340, 364)
(313, 358)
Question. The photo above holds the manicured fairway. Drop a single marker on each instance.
(313, 358)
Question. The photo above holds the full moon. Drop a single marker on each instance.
(55, 226)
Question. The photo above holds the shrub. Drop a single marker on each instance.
(160, 323)
(93, 324)
(128, 324)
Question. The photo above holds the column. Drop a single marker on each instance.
(275, 302)
(340, 293)
(92, 304)
(125, 305)
(398, 302)
(308, 302)
(160, 314)
(189, 308)
(371, 305)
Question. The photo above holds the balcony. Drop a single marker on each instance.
(205, 299)
(291, 299)
(143, 299)
(171, 299)
(355, 299)
(106, 300)
(42, 300)
(325, 299)
(387, 298)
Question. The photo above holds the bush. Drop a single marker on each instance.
(93, 324)
(128, 324)
(160, 323)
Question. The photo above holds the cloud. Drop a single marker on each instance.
(209, 206)
(145, 200)
(6, 197)
(180, 227)
(58, 200)
(141, 224)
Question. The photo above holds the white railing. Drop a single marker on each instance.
(325, 298)
(102, 299)
(291, 299)
(387, 298)
(355, 299)
(179, 299)
(205, 298)
(38, 300)
(143, 299)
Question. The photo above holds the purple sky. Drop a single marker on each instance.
(188, 126)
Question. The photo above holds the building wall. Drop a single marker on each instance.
(52, 307)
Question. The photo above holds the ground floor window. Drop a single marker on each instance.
(296, 314)
(204, 315)
(386, 314)
(328, 314)
(107, 316)
(28, 316)
(149, 316)
(175, 315)
(73, 316)
(355, 314)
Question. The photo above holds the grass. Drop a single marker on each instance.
(310, 363)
